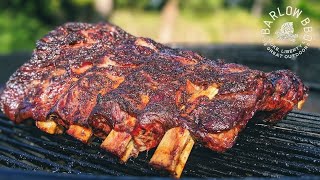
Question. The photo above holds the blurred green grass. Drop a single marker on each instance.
(225, 26)
(18, 32)
(228, 26)
(212, 21)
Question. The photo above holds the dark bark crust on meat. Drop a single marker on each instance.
(98, 76)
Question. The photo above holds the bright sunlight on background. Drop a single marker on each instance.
(167, 21)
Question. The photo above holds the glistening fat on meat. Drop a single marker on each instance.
(96, 80)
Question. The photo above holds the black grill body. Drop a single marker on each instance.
(289, 148)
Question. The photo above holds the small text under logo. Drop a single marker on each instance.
(287, 33)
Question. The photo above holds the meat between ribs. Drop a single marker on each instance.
(96, 79)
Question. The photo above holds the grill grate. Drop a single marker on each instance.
(290, 148)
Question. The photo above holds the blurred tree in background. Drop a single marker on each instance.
(22, 22)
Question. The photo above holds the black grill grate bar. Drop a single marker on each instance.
(49, 146)
(21, 156)
(286, 163)
(260, 156)
(261, 160)
(281, 153)
(53, 155)
(293, 126)
(271, 138)
(311, 115)
(9, 162)
(242, 164)
(261, 150)
(33, 159)
(282, 162)
(55, 145)
(312, 125)
(227, 169)
(281, 148)
(303, 118)
(287, 134)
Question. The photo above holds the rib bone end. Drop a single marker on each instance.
(81, 133)
(120, 144)
(173, 151)
(49, 127)
(300, 104)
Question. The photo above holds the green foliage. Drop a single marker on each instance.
(311, 8)
(82, 2)
(201, 6)
(22, 22)
(19, 32)
(123, 4)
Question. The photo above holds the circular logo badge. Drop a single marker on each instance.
(287, 33)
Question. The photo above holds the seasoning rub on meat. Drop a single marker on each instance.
(96, 80)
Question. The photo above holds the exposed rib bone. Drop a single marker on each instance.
(81, 133)
(184, 157)
(173, 151)
(120, 144)
(197, 91)
(50, 127)
(300, 104)
(127, 153)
